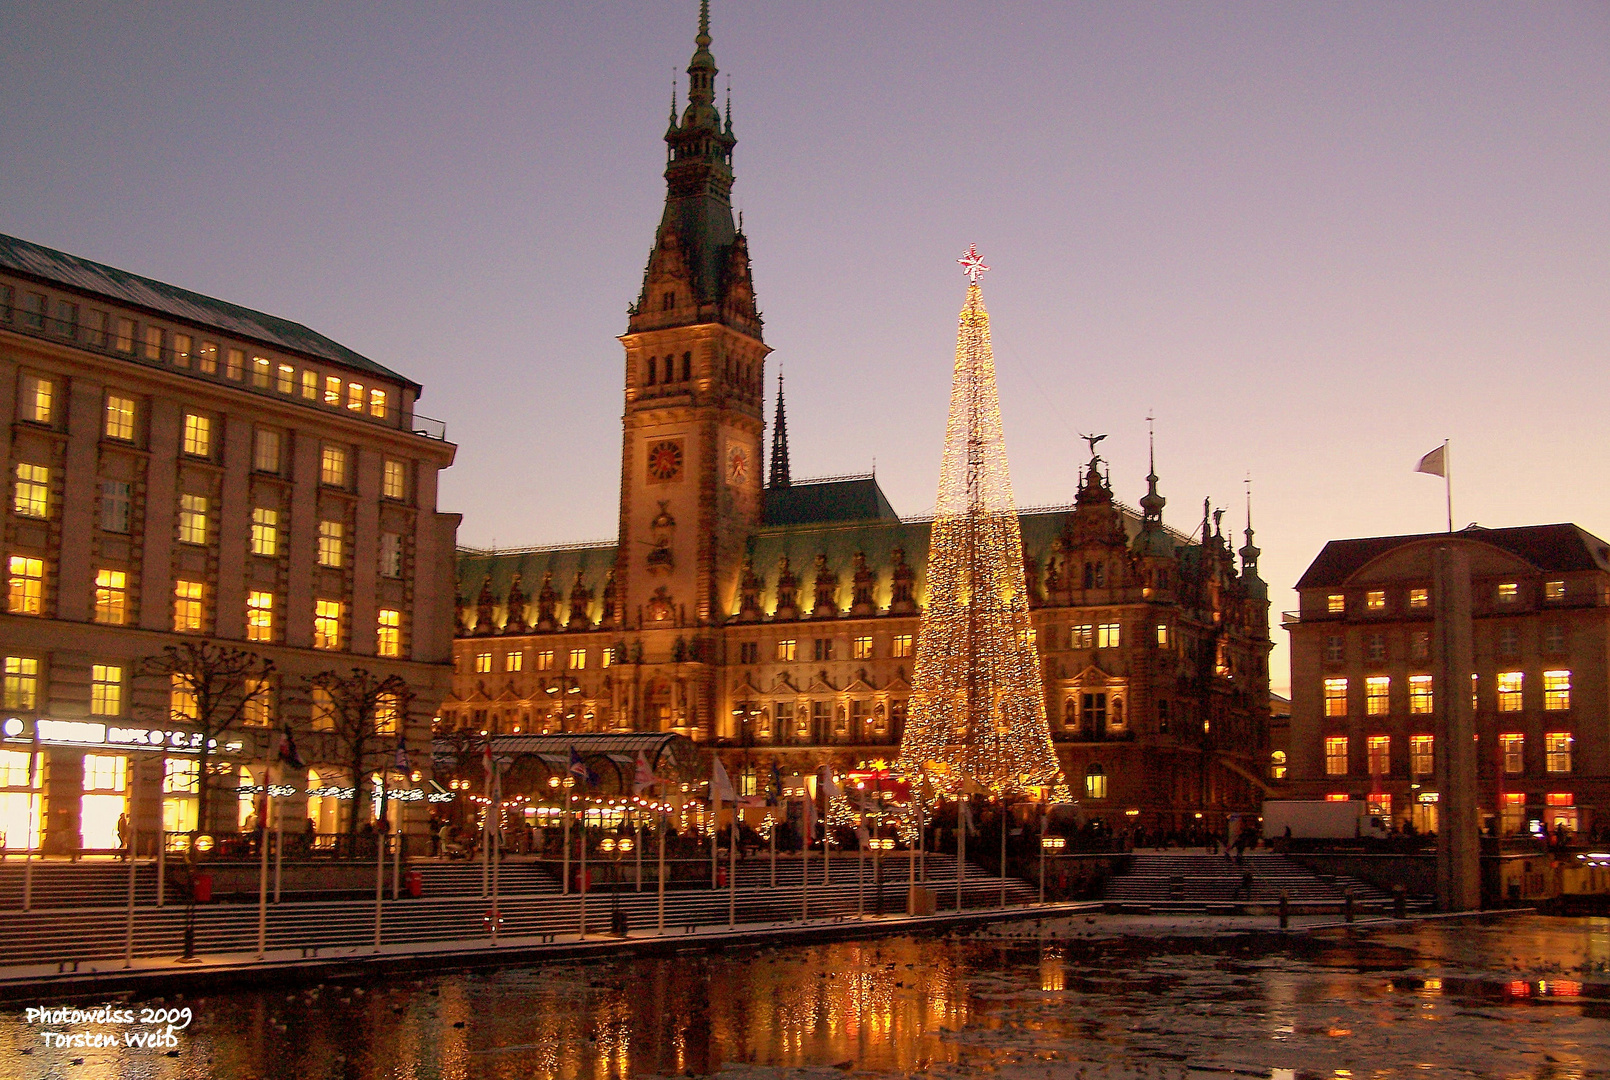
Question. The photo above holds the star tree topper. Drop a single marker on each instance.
(972, 264)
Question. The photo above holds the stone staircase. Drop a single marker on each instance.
(1201, 881)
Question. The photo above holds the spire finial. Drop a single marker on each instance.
(779, 441)
(729, 105)
(1249, 553)
(703, 40)
(1152, 503)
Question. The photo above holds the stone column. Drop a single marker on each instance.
(1453, 654)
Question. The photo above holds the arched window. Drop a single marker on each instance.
(1095, 782)
(1277, 765)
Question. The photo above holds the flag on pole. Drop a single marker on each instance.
(720, 784)
(1435, 463)
(643, 778)
(965, 813)
(831, 786)
(810, 822)
(486, 758)
(579, 769)
(288, 753)
(776, 791)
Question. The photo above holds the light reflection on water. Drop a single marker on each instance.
(1514, 998)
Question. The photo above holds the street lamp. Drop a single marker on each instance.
(611, 846)
(1048, 843)
(879, 845)
(568, 685)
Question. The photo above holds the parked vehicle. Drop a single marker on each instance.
(1317, 819)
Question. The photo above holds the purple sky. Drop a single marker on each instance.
(1316, 239)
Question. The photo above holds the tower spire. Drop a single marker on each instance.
(1151, 504)
(779, 443)
(1251, 551)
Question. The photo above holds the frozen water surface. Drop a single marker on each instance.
(1094, 998)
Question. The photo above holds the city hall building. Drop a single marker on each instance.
(1363, 693)
(776, 619)
(180, 468)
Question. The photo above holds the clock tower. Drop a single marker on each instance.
(691, 432)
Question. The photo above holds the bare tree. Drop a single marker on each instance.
(367, 717)
(211, 689)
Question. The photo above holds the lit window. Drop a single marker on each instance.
(286, 381)
(326, 624)
(544, 660)
(262, 369)
(333, 465)
(862, 648)
(111, 597)
(578, 658)
(483, 662)
(1107, 636)
(388, 714)
(186, 607)
(26, 592)
(1509, 592)
(1335, 697)
(331, 534)
(235, 363)
(1509, 691)
(1421, 700)
(1379, 803)
(105, 772)
(785, 651)
(1338, 796)
(125, 335)
(265, 531)
(181, 350)
(1336, 603)
(197, 435)
(1513, 747)
(259, 616)
(21, 683)
(32, 498)
(1379, 748)
(514, 661)
(1095, 783)
(355, 396)
(1475, 682)
(38, 399)
(259, 710)
(119, 417)
(192, 519)
(377, 404)
(391, 555)
(1277, 765)
(1336, 755)
(310, 385)
(1082, 637)
(1375, 600)
(153, 342)
(901, 645)
(1419, 598)
(266, 450)
(182, 698)
(1162, 636)
(606, 656)
(1554, 590)
(1556, 690)
(207, 358)
(106, 690)
(116, 505)
(332, 390)
(1377, 695)
(388, 633)
(1558, 747)
(323, 710)
(1422, 754)
(394, 480)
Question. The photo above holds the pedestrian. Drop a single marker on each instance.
(122, 836)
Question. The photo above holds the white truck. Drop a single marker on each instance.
(1317, 819)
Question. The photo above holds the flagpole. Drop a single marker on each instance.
(660, 878)
(961, 846)
(262, 833)
(565, 890)
(28, 855)
(497, 835)
(732, 868)
(583, 881)
(1447, 480)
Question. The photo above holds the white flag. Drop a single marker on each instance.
(831, 786)
(720, 786)
(1435, 463)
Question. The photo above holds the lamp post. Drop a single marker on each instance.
(1048, 843)
(564, 706)
(616, 847)
(879, 845)
(567, 782)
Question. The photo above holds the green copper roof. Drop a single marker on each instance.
(97, 279)
(838, 498)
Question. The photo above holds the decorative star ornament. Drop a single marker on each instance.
(972, 264)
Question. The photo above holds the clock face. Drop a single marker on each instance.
(737, 466)
(665, 461)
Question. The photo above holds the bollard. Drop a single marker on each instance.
(1400, 902)
(1285, 908)
(1347, 905)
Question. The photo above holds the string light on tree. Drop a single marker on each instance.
(977, 712)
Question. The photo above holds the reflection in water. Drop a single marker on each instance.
(1519, 998)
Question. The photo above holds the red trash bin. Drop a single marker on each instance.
(415, 883)
(201, 889)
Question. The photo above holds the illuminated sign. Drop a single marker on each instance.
(94, 733)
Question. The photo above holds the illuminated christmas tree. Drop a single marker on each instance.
(977, 710)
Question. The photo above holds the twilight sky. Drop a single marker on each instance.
(1314, 239)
